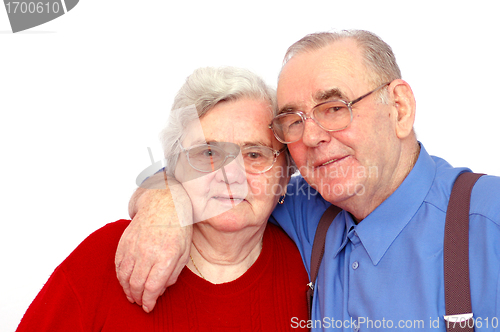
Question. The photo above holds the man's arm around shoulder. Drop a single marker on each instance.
(155, 247)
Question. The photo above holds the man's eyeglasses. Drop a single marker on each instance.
(332, 115)
(212, 156)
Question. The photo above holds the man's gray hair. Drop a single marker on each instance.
(378, 55)
(204, 89)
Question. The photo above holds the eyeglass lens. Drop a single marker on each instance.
(332, 115)
(211, 157)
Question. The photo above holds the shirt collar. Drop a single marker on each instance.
(381, 227)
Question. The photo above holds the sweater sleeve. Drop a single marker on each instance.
(80, 291)
(56, 308)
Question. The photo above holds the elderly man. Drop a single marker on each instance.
(347, 117)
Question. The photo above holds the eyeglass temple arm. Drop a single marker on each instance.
(369, 93)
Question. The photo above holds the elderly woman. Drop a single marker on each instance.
(244, 274)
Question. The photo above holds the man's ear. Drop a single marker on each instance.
(405, 107)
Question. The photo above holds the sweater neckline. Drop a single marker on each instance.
(248, 279)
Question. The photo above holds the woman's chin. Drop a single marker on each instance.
(216, 208)
(233, 220)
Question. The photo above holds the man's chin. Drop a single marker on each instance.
(338, 191)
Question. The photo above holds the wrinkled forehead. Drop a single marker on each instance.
(335, 71)
(241, 122)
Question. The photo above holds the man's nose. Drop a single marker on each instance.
(313, 134)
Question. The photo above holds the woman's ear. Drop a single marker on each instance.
(405, 107)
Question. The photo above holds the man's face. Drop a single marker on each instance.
(359, 160)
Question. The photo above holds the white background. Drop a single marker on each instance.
(83, 96)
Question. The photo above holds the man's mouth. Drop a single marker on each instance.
(328, 162)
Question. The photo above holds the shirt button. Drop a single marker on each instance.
(356, 328)
(355, 265)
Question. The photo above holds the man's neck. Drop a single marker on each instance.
(360, 206)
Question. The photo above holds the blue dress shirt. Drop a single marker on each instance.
(387, 272)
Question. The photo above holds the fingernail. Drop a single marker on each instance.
(146, 309)
(131, 300)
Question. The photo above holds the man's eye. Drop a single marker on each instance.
(295, 123)
(334, 109)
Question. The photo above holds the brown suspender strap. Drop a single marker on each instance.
(318, 250)
(456, 256)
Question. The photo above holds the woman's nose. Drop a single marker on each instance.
(233, 171)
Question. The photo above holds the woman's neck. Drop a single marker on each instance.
(221, 257)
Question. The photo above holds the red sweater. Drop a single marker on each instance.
(83, 293)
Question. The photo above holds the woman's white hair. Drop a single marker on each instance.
(203, 89)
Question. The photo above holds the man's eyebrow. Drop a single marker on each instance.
(319, 97)
(325, 95)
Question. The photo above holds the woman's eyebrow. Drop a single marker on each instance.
(288, 108)
(255, 143)
(200, 141)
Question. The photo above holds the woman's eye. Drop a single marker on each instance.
(208, 153)
(254, 155)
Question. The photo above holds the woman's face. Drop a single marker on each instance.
(229, 198)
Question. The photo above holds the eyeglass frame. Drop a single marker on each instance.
(276, 153)
(304, 117)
